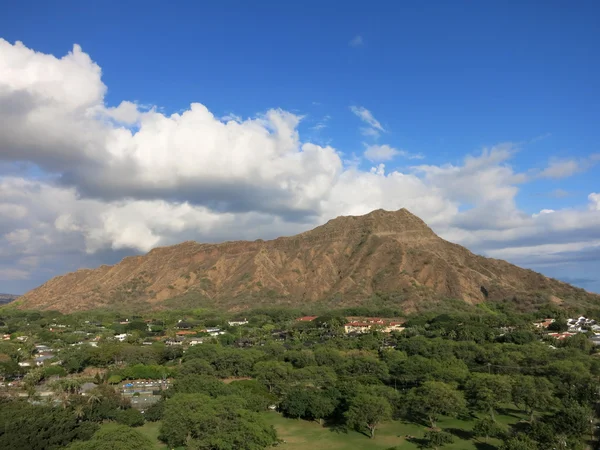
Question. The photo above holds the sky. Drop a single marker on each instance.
(130, 125)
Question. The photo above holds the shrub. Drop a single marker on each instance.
(130, 417)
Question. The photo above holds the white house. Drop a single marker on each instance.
(237, 323)
(121, 337)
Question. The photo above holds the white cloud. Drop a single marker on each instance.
(594, 201)
(374, 128)
(321, 124)
(380, 152)
(377, 153)
(544, 211)
(563, 168)
(357, 41)
(365, 115)
(560, 169)
(117, 180)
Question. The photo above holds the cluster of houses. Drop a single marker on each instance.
(361, 325)
(574, 325)
(42, 354)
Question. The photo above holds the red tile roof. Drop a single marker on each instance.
(306, 318)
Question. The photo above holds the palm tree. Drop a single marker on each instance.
(93, 397)
(79, 412)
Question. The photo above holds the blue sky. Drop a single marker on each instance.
(443, 80)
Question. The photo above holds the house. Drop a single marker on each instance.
(369, 320)
(87, 387)
(196, 341)
(357, 327)
(181, 325)
(306, 318)
(22, 338)
(39, 360)
(279, 335)
(6, 337)
(185, 333)
(393, 326)
(595, 340)
(544, 323)
(561, 336)
(237, 323)
(214, 331)
(121, 337)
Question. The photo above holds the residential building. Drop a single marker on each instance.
(393, 326)
(237, 323)
(306, 318)
(561, 336)
(357, 327)
(544, 323)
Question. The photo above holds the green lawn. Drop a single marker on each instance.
(303, 435)
(150, 430)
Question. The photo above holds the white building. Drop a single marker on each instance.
(237, 323)
(121, 337)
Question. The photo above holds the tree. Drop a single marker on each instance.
(434, 399)
(295, 403)
(196, 384)
(519, 442)
(487, 428)
(155, 412)
(196, 366)
(130, 417)
(316, 376)
(573, 420)
(558, 326)
(358, 364)
(30, 427)
(487, 392)
(114, 437)
(436, 439)
(201, 422)
(320, 406)
(368, 411)
(532, 393)
(273, 374)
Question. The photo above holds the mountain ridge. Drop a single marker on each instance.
(346, 261)
(7, 298)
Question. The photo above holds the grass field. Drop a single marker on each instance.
(150, 430)
(303, 435)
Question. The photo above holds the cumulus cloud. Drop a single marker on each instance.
(594, 201)
(115, 180)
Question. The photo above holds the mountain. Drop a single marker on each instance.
(7, 298)
(346, 262)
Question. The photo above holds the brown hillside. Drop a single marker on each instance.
(345, 261)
